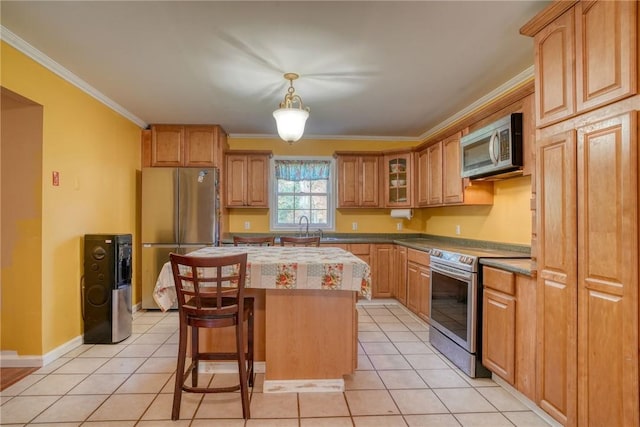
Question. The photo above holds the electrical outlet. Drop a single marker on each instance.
(354, 226)
(458, 230)
(247, 225)
(399, 226)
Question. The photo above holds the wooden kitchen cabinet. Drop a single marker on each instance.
(587, 193)
(185, 146)
(600, 38)
(554, 75)
(398, 179)
(418, 283)
(438, 177)
(358, 180)
(400, 273)
(382, 274)
(434, 174)
(499, 333)
(452, 188)
(247, 179)
(509, 328)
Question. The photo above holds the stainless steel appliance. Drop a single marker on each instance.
(180, 213)
(106, 291)
(456, 305)
(494, 151)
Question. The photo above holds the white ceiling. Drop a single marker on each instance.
(367, 68)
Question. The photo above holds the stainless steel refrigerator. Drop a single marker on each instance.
(180, 213)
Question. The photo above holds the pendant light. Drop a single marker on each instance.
(290, 119)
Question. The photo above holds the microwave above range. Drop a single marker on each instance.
(494, 151)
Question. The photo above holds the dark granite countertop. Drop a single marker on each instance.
(519, 266)
(421, 242)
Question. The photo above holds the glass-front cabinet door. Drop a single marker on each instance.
(398, 177)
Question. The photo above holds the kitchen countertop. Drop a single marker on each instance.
(421, 242)
(519, 266)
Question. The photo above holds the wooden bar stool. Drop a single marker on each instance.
(253, 241)
(299, 241)
(210, 294)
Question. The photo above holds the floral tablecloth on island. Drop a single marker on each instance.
(276, 267)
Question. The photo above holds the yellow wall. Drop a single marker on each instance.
(97, 153)
(21, 171)
(508, 220)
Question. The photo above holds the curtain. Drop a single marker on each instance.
(302, 170)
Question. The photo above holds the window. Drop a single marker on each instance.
(302, 187)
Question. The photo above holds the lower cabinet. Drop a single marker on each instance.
(418, 283)
(499, 338)
(379, 257)
(382, 270)
(400, 273)
(509, 328)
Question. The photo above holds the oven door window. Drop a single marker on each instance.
(450, 305)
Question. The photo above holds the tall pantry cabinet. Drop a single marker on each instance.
(587, 185)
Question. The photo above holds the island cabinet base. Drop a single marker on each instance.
(310, 335)
(224, 339)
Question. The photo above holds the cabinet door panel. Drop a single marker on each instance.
(605, 52)
(608, 272)
(452, 183)
(200, 146)
(382, 259)
(166, 145)
(422, 175)
(557, 277)
(498, 339)
(236, 166)
(424, 293)
(369, 177)
(257, 180)
(554, 75)
(348, 181)
(400, 274)
(435, 174)
(413, 287)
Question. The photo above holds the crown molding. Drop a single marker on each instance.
(42, 59)
(330, 137)
(507, 86)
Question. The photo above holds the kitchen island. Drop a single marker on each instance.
(305, 315)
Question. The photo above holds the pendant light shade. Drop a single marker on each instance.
(290, 119)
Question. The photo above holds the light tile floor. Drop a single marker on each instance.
(401, 381)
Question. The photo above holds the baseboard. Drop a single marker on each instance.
(136, 307)
(303, 386)
(525, 401)
(11, 359)
(227, 367)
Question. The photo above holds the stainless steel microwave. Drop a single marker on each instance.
(494, 151)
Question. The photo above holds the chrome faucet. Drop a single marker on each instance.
(306, 233)
(320, 233)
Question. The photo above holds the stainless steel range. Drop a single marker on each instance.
(456, 305)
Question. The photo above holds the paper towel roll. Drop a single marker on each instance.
(401, 213)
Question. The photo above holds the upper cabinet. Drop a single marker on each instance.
(438, 177)
(600, 38)
(398, 180)
(184, 145)
(247, 179)
(358, 180)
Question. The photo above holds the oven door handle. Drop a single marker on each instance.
(450, 272)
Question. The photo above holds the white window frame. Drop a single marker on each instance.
(273, 192)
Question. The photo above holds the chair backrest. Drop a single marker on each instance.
(299, 241)
(209, 286)
(253, 241)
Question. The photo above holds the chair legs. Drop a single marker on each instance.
(182, 352)
(245, 364)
